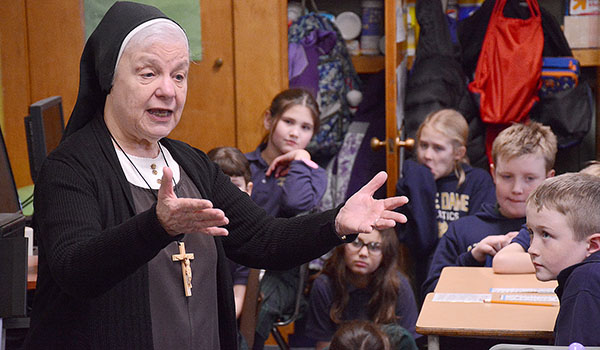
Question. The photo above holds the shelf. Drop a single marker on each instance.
(373, 64)
(587, 57)
(368, 64)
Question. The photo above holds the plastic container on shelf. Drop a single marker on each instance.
(349, 25)
(372, 26)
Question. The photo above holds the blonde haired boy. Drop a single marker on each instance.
(523, 156)
(563, 216)
(514, 258)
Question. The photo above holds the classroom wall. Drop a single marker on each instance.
(1, 97)
(41, 43)
(15, 85)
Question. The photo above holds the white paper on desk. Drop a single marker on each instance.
(461, 297)
(523, 290)
(531, 298)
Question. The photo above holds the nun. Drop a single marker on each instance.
(134, 228)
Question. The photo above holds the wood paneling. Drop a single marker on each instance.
(56, 39)
(209, 116)
(15, 85)
(391, 96)
(260, 40)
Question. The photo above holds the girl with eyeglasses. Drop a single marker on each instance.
(361, 280)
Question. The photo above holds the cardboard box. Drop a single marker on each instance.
(582, 31)
(583, 7)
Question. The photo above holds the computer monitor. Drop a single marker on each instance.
(13, 244)
(9, 197)
(44, 127)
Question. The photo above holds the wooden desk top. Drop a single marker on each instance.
(460, 279)
(32, 267)
(484, 319)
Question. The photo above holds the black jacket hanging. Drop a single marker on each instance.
(437, 80)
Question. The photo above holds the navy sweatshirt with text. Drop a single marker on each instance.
(454, 248)
(434, 204)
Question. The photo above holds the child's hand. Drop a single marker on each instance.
(491, 245)
(281, 164)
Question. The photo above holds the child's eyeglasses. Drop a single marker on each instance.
(373, 247)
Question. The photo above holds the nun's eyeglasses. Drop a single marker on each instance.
(373, 247)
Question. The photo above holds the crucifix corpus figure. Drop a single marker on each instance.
(186, 267)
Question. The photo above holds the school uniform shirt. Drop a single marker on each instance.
(463, 235)
(286, 196)
(434, 204)
(523, 238)
(578, 289)
(300, 190)
(319, 325)
(239, 273)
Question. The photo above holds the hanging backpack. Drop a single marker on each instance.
(568, 110)
(568, 113)
(336, 77)
(507, 77)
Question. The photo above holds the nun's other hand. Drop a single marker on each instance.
(362, 213)
(187, 215)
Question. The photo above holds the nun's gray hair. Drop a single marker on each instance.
(161, 27)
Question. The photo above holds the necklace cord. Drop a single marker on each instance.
(138, 171)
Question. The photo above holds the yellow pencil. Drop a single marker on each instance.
(515, 302)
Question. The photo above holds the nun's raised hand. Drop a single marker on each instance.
(187, 215)
(362, 213)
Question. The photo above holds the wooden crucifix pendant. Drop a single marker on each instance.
(186, 267)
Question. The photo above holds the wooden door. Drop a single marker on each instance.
(394, 54)
(209, 116)
(391, 101)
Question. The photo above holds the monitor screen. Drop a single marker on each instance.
(9, 198)
(44, 127)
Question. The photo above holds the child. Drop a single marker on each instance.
(359, 335)
(286, 183)
(523, 156)
(563, 216)
(441, 185)
(235, 165)
(361, 281)
(514, 257)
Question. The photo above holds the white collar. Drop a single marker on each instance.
(150, 168)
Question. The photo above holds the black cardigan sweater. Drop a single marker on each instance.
(92, 289)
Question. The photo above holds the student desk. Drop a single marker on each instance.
(484, 319)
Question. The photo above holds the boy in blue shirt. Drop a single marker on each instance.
(523, 156)
(514, 257)
(563, 216)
